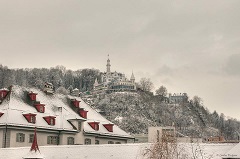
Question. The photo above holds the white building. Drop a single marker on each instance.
(114, 82)
(59, 119)
(156, 134)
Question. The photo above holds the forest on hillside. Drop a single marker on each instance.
(133, 112)
(59, 76)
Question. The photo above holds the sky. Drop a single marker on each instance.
(187, 46)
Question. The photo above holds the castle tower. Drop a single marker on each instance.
(95, 83)
(108, 65)
(132, 79)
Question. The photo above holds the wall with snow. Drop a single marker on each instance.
(116, 151)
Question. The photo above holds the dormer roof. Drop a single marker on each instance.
(15, 108)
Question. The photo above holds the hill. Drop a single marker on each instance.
(135, 112)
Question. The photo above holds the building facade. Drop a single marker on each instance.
(114, 81)
(59, 120)
(178, 98)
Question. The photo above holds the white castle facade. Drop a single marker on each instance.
(114, 82)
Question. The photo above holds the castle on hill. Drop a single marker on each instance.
(114, 82)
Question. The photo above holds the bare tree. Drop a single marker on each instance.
(162, 91)
(146, 84)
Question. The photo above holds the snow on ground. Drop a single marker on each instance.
(115, 151)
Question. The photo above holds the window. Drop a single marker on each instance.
(52, 121)
(31, 136)
(109, 127)
(20, 137)
(96, 142)
(110, 142)
(53, 140)
(94, 125)
(41, 110)
(117, 142)
(32, 119)
(70, 141)
(87, 141)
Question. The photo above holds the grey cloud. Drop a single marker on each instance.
(232, 66)
(179, 43)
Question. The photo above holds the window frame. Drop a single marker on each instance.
(87, 141)
(31, 138)
(70, 140)
(20, 137)
(52, 140)
(97, 142)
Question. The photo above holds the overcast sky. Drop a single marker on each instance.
(188, 46)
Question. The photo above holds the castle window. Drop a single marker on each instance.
(52, 140)
(31, 136)
(87, 141)
(70, 141)
(20, 137)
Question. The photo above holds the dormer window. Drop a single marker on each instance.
(40, 107)
(32, 96)
(50, 120)
(75, 103)
(1, 114)
(109, 127)
(94, 125)
(83, 113)
(3, 93)
(31, 118)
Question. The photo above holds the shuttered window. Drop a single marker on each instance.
(20, 137)
(52, 140)
(31, 136)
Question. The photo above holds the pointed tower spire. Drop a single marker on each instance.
(34, 146)
(95, 83)
(132, 79)
(108, 65)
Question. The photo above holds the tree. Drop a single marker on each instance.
(161, 91)
(146, 84)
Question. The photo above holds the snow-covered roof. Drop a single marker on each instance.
(17, 106)
(94, 116)
(55, 105)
